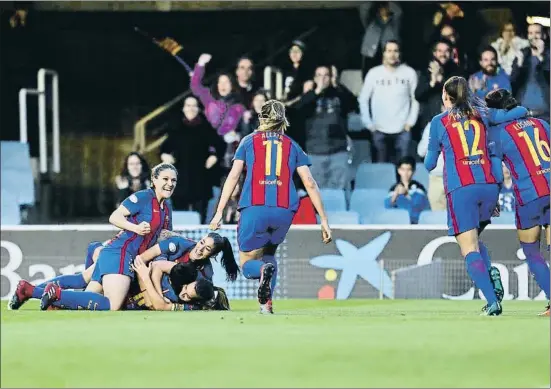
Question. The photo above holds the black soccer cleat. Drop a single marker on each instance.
(23, 293)
(52, 293)
(265, 289)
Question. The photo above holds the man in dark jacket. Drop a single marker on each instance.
(530, 74)
(326, 109)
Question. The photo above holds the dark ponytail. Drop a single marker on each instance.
(228, 259)
(501, 99)
(464, 103)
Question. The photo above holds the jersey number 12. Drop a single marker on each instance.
(462, 129)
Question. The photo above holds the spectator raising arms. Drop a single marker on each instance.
(135, 176)
(222, 109)
(530, 74)
(490, 77)
(387, 103)
(407, 193)
(382, 21)
(195, 149)
(509, 47)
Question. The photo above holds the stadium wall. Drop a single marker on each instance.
(363, 262)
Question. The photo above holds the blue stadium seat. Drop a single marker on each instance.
(368, 201)
(343, 217)
(388, 216)
(422, 175)
(11, 213)
(505, 218)
(433, 217)
(15, 155)
(20, 183)
(375, 176)
(333, 199)
(186, 217)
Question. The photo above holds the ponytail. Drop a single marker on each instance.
(465, 104)
(228, 259)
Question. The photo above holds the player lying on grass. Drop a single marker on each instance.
(172, 246)
(522, 143)
(269, 197)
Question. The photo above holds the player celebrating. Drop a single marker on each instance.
(269, 199)
(141, 216)
(471, 188)
(523, 144)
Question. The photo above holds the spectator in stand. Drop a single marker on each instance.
(250, 120)
(490, 77)
(449, 14)
(506, 195)
(530, 74)
(382, 22)
(245, 78)
(407, 193)
(135, 176)
(326, 110)
(458, 54)
(195, 149)
(508, 47)
(295, 72)
(431, 81)
(387, 103)
(436, 193)
(222, 108)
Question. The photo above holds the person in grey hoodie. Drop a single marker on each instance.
(387, 103)
(382, 20)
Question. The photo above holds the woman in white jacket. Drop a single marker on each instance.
(508, 47)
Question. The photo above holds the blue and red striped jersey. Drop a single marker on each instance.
(523, 144)
(177, 249)
(464, 144)
(270, 159)
(143, 206)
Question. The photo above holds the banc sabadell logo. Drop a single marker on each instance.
(354, 262)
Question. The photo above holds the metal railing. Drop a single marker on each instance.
(269, 71)
(42, 128)
(141, 125)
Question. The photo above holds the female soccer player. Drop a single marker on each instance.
(141, 217)
(269, 198)
(523, 144)
(471, 188)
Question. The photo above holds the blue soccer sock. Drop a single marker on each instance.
(68, 281)
(271, 259)
(251, 269)
(38, 291)
(485, 254)
(537, 265)
(90, 253)
(74, 300)
(479, 274)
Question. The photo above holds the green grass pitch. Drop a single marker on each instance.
(354, 343)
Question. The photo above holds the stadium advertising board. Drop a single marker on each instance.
(362, 262)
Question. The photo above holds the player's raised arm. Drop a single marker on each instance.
(229, 187)
(315, 196)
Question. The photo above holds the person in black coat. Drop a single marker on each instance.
(196, 150)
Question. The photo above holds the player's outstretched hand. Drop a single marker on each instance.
(140, 267)
(216, 222)
(143, 228)
(326, 232)
(204, 59)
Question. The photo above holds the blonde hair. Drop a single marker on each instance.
(465, 104)
(272, 117)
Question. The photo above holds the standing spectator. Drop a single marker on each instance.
(490, 77)
(458, 54)
(382, 22)
(222, 109)
(436, 193)
(196, 151)
(508, 47)
(449, 14)
(250, 121)
(245, 78)
(387, 103)
(506, 194)
(407, 193)
(135, 176)
(530, 74)
(429, 88)
(326, 109)
(296, 72)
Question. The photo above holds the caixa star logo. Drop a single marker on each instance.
(355, 262)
